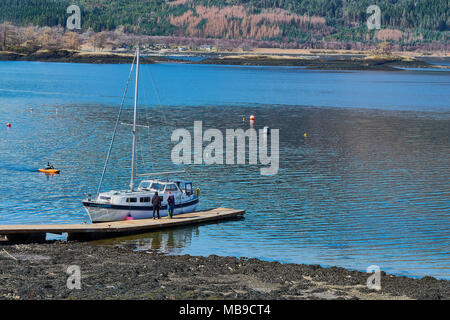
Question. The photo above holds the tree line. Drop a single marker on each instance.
(416, 21)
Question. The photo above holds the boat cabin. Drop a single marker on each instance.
(142, 196)
(162, 187)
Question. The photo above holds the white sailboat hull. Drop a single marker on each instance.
(105, 214)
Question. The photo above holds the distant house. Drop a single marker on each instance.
(205, 47)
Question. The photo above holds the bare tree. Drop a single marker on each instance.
(47, 39)
(384, 48)
(98, 40)
(71, 40)
(9, 37)
(29, 38)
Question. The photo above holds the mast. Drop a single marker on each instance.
(133, 152)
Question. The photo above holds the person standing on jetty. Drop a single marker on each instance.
(170, 205)
(156, 202)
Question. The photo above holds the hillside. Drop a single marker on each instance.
(332, 24)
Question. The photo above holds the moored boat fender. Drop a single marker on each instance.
(129, 217)
(198, 192)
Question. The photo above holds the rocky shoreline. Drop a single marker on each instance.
(39, 271)
(322, 62)
(78, 57)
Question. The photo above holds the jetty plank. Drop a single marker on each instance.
(76, 231)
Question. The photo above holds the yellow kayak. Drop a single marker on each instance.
(49, 170)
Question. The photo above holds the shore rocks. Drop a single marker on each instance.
(328, 63)
(39, 271)
(77, 57)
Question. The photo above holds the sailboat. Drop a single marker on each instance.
(136, 203)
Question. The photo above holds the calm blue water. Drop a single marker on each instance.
(370, 184)
(187, 58)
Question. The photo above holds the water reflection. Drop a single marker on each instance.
(171, 241)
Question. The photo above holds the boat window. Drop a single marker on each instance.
(105, 198)
(145, 199)
(188, 188)
(157, 186)
(144, 185)
(171, 187)
(131, 199)
(182, 186)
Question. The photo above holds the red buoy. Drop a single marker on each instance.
(252, 118)
(8, 125)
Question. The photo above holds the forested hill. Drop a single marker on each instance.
(298, 21)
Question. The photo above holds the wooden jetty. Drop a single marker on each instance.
(37, 233)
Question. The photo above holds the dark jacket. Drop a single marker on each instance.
(156, 201)
(171, 200)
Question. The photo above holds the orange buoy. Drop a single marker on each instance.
(8, 125)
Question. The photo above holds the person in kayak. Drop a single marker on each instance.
(49, 166)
